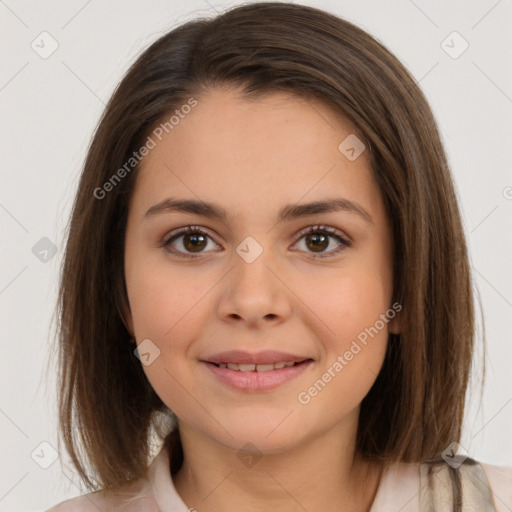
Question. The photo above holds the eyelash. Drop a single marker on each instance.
(307, 231)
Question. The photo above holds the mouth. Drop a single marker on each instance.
(248, 367)
(252, 377)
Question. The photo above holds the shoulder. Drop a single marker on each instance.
(483, 486)
(153, 493)
(136, 497)
(500, 481)
(78, 504)
(398, 489)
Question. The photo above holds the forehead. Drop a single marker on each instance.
(249, 153)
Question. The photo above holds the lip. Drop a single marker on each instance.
(263, 357)
(254, 381)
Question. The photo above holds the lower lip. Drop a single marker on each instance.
(257, 381)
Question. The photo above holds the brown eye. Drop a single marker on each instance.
(319, 242)
(194, 242)
(187, 242)
(318, 238)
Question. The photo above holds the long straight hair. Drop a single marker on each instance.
(416, 406)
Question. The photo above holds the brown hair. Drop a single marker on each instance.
(416, 406)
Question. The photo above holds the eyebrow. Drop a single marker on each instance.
(286, 213)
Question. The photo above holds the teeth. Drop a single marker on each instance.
(257, 367)
(265, 367)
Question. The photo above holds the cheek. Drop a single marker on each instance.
(355, 342)
(354, 345)
(162, 300)
(166, 308)
(350, 302)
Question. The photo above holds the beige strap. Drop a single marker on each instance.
(440, 484)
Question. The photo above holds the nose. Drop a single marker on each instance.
(255, 293)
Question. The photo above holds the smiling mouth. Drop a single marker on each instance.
(254, 378)
(258, 367)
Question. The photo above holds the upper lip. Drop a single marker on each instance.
(263, 357)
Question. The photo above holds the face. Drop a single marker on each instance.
(314, 284)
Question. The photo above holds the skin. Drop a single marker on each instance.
(252, 157)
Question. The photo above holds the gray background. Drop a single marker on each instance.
(50, 106)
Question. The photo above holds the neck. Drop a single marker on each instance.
(317, 474)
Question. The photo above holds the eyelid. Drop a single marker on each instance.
(331, 231)
(344, 240)
(180, 232)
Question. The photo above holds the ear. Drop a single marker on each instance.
(127, 318)
(395, 324)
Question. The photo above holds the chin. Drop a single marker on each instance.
(268, 435)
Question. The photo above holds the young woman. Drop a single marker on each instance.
(266, 275)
